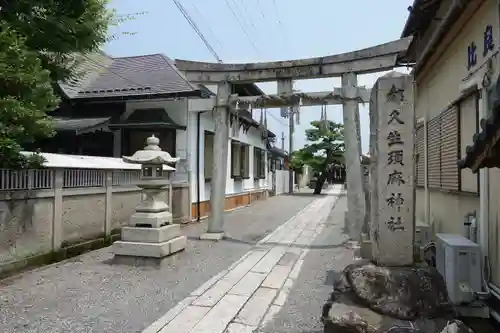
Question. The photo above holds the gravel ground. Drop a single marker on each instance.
(87, 294)
(302, 310)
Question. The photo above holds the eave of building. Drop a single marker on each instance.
(277, 152)
(453, 15)
(485, 149)
(422, 12)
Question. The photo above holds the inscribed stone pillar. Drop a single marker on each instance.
(355, 192)
(392, 170)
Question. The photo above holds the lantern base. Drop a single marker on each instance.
(151, 235)
(149, 250)
(213, 236)
(150, 220)
(149, 262)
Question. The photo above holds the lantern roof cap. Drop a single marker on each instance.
(152, 154)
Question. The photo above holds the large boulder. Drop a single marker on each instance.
(370, 299)
(401, 292)
(342, 316)
(348, 318)
(456, 326)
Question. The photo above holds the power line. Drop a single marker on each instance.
(280, 24)
(261, 11)
(217, 40)
(247, 16)
(197, 30)
(275, 118)
(242, 27)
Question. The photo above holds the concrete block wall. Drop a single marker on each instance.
(41, 221)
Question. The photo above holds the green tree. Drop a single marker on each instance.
(325, 149)
(26, 95)
(38, 44)
(58, 29)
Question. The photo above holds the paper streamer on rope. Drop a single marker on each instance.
(262, 121)
(297, 112)
(236, 121)
(265, 119)
(324, 118)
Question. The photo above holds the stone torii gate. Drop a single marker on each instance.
(347, 65)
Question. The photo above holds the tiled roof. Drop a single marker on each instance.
(88, 68)
(278, 152)
(476, 156)
(422, 12)
(75, 124)
(153, 117)
(105, 77)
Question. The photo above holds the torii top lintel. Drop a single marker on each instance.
(373, 59)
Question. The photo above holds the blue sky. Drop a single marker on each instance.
(276, 29)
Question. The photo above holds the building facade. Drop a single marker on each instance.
(119, 102)
(455, 51)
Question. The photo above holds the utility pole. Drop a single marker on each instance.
(282, 140)
(290, 149)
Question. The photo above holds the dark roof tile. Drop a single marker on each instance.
(75, 124)
(153, 74)
(487, 134)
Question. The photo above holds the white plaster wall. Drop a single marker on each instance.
(252, 138)
(438, 85)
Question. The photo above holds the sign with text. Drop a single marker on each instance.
(393, 168)
(485, 49)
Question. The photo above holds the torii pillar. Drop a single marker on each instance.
(286, 87)
(215, 230)
(352, 136)
(369, 60)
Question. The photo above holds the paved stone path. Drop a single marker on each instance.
(87, 294)
(253, 290)
(325, 260)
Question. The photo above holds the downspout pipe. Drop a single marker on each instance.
(198, 160)
(448, 20)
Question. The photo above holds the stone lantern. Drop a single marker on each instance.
(151, 234)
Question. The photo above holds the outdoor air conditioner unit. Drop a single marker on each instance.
(422, 233)
(458, 260)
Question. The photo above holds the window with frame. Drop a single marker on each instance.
(240, 160)
(259, 159)
(208, 155)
